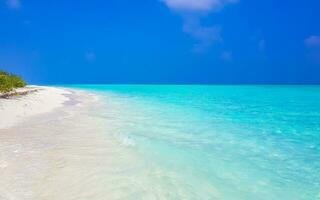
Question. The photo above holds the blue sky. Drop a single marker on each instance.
(161, 41)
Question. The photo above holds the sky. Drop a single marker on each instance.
(161, 41)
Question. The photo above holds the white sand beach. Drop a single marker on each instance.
(43, 100)
(51, 147)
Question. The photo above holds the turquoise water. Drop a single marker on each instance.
(216, 142)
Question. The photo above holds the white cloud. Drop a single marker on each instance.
(197, 5)
(312, 44)
(14, 4)
(204, 35)
(202, 32)
(312, 41)
(192, 11)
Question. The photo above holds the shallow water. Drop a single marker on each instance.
(216, 142)
(172, 142)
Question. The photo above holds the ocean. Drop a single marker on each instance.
(211, 142)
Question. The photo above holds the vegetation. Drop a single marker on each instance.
(8, 82)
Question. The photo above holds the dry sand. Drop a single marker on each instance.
(44, 100)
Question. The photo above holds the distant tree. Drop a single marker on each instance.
(8, 82)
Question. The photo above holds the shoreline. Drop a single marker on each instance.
(56, 153)
(53, 145)
(30, 102)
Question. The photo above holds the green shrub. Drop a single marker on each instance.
(4, 73)
(8, 82)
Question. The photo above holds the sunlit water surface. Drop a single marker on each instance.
(215, 142)
(169, 142)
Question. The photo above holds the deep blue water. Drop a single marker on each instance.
(218, 142)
